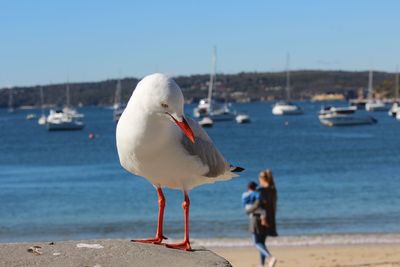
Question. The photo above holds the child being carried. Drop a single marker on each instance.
(248, 199)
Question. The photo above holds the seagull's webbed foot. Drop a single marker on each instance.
(185, 245)
(159, 235)
(156, 240)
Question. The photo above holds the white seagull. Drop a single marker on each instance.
(157, 142)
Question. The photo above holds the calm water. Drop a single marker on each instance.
(61, 185)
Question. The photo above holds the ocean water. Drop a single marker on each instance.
(61, 185)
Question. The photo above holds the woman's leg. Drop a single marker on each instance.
(259, 242)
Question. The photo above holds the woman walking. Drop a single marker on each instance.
(267, 200)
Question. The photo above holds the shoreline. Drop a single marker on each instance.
(306, 240)
(280, 241)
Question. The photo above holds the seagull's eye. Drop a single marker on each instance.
(164, 105)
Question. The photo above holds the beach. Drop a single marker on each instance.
(367, 255)
(382, 250)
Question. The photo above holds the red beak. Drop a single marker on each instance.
(184, 127)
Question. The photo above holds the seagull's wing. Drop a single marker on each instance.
(206, 151)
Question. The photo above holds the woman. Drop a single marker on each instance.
(267, 200)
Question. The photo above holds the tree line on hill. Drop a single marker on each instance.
(249, 86)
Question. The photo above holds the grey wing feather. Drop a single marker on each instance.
(204, 148)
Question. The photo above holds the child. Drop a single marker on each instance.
(248, 199)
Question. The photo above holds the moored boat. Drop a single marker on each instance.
(58, 120)
(208, 107)
(282, 108)
(206, 122)
(242, 118)
(343, 116)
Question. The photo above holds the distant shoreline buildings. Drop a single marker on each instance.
(315, 85)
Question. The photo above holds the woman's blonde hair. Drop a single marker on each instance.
(266, 175)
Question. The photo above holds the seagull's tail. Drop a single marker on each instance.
(236, 169)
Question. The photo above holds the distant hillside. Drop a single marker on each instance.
(241, 86)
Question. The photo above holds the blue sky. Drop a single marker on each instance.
(47, 41)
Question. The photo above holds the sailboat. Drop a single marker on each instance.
(118, 106)
(286, 107)
(395, 109)
(374, 104)
(208, 107)
(10, 100)
(65, 119)
(42, 119)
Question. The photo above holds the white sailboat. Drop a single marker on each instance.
(208, 107)
(65, 119)
(374, 104)
(286, 107)
(42, 119)
(395, 109)
(10, 100)
(118, 107)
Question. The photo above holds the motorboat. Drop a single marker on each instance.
(208, 107)
(58, 120)
(376, 105)
(343, 116)
(206, 122)
(242, 118)
(286, 108)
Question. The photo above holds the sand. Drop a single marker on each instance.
(102, 253)
(370, 255)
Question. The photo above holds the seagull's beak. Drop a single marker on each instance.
(182, 123)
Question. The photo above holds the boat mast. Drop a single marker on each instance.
(68, 97)
(117, 98)
(370, 86)
(396, 92)
(212, 77)
(10, 100)
(287, 77)
(41, 100)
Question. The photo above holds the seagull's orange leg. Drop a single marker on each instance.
(159, 235)
(185, 245)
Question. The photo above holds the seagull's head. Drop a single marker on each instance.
(160, 95)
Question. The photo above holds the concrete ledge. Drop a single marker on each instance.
(102, 253)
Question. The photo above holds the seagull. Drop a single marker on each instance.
(156, 141)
